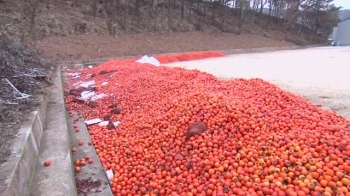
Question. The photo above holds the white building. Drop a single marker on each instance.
(341, 33)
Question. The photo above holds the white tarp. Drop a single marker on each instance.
(85, 95)
(103, 123)
(74, 74)
(87, 84)
(116, 123)
(77, 83)
(93, 121)
(109, 174)
(97, 97)
(149, 60)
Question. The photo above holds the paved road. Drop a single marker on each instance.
(311, 73)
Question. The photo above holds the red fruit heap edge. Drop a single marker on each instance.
(260, 140)
(163, 59)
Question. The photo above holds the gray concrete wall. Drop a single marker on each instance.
(343, 33)
(334, 34)
(17, 172)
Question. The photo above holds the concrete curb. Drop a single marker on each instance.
(266, 49)
(17, 172)
(94, 171)
(57, 179)
(227, 52)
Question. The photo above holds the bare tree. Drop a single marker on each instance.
(126, 6)
(199, 20)
(243, 5)
(30, 9)
(94, 7)
(155, 12)
(76, 2)
(262, 5)
(182, 9)
(110, 7)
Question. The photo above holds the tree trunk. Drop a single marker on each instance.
(199, 17)
(299, 31)
(33, 11)
(182, 9)
(223, 16)
(241, 18)
(270, 15)
(301, 25)
(137, 7)
(125, 15)
(32, 22)
(254, 12)
(204, 12)
(169, 6)
(190, 11)
(155, 17)
(262, 5)
(94, 7)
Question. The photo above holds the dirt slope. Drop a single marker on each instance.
(99, 46)
(29, 74)
(65, 30)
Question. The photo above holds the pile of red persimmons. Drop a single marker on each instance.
(187, 56)
(260, 140)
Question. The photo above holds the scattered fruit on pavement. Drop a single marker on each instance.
(47, 163)
(77, 169)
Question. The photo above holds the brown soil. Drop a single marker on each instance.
(70, 30)
(85, 47)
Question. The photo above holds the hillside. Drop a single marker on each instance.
(62, 21)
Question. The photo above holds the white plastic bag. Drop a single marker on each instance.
(97, 97)
(87, 84)
(149, 60)
(93, 121)
(85, 95)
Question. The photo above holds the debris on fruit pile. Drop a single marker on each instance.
(256, 139)
(86, 186)
(194, 129)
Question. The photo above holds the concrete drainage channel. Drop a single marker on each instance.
(92, 179)
(50, 135)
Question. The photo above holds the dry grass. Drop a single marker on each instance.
(23, 69)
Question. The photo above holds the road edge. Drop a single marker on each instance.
(226, 52)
